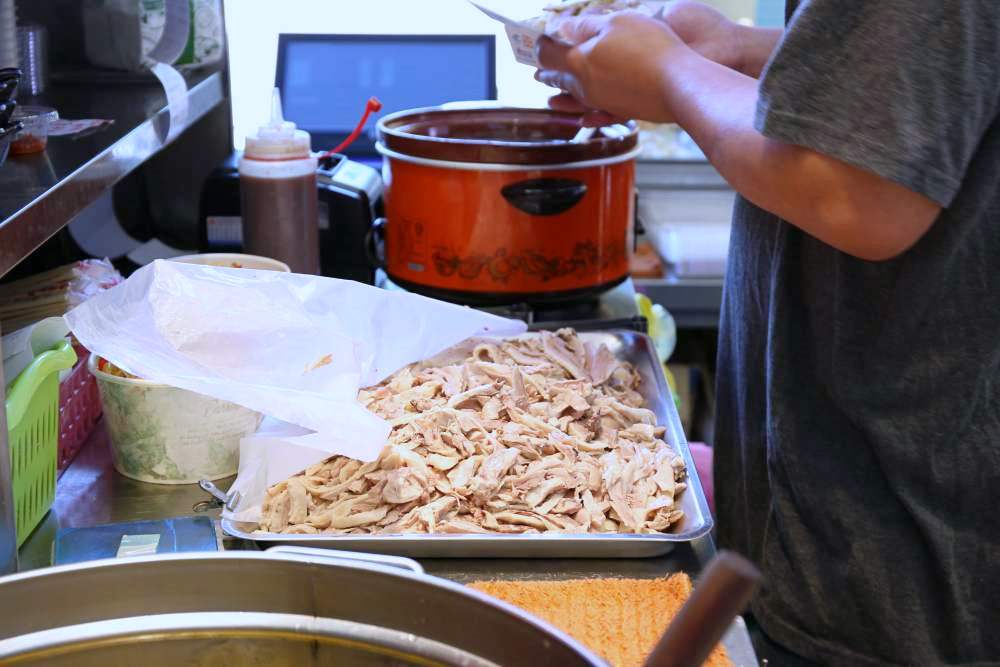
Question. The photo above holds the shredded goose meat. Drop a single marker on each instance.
(540, 433)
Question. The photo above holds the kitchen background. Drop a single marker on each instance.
(130, 182)
(135, 194)
(684, 205)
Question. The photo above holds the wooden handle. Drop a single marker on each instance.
(722, 593)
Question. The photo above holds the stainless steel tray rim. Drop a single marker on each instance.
(232, 528)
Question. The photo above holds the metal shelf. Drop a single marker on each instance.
(691, 192)
(693, 302)
(40, 194)
(678, 175)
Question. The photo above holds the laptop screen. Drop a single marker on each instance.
(325, 80)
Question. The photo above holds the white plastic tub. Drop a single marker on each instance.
(234, 260)
(165, 435)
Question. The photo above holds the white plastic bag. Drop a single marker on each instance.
(273, 454)
(294, 347)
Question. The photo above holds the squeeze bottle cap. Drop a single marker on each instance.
(279, 139)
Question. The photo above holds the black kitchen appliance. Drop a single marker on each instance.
(350, 198)
(615, 308)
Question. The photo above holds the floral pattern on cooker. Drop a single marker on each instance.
(585, 259)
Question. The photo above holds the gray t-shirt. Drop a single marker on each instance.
(858, 434)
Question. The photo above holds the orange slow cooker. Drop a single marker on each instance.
(496, 205)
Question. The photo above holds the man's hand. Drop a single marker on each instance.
(616, 59)
(617, 65)
(633, 66)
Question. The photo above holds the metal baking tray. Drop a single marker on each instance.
(630, 346)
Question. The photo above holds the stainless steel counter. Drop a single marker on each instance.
(90, 492)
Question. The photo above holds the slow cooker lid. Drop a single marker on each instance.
(500, 135)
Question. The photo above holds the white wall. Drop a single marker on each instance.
(253, 27)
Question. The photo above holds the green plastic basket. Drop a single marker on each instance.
(33, 420)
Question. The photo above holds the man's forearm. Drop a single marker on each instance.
(848, 208)
(756, 46)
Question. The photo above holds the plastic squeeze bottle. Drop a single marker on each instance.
(278, 194)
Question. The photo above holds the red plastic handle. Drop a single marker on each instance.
(371, 107)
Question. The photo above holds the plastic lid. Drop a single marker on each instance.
(279, 139)
(30, 113)
(501, 135)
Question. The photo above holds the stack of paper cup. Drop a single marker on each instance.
(32, 43)
(8, 34)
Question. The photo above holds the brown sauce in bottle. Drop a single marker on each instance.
(281, 221)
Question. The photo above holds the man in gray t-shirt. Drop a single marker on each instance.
(858, 427)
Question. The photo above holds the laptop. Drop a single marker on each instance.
(325, 80)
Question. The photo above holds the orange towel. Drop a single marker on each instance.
(619, 619)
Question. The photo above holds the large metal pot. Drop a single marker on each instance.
(296, 607)
(498, 205)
